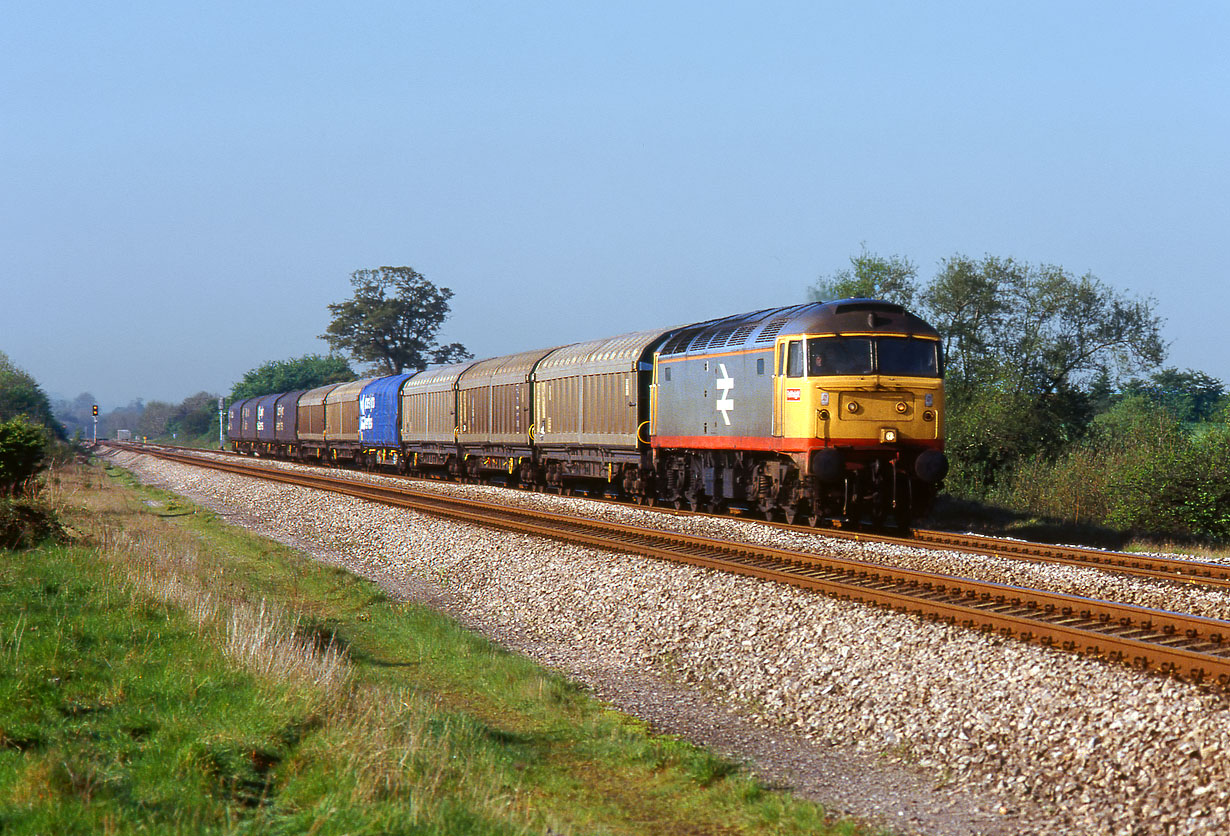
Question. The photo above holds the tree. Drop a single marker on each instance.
(966, 304)
(870, 276)
(1038, 329)
(121, 418)
(21, 395)
(393, 321)
(155, 419)
(306, 372)
(196, 416)
(1191, 396)
(1031, 352)
(1038, 338)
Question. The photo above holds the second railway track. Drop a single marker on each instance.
(1193, 647)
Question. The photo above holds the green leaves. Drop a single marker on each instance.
(306, 372)
(1031, 351)
(894, 279)
(23, 449)
(1037, 329)
(20, 394)
(392, 321)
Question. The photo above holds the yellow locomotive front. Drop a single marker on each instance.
(870, 402)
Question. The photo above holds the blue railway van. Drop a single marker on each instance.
(380, 420)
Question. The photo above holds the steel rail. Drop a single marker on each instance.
(1156, 567)
(1147, 565)
(1189, 646)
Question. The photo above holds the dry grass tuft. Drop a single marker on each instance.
(162, 563)
(267, 643)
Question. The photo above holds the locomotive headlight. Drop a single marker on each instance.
(902, 407)
(928, 415)
(929, 399)
(852, 406)
(888, 436)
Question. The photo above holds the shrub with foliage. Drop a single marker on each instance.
(23, 450)
(1030, 351)
(1138, 470)
(305, 372)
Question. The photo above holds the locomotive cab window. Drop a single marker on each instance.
(907, 357)
(899, 356)
(839, 355)
(794, 359)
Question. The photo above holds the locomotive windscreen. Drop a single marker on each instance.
(839, 355)
(866, 355)
(908, 358)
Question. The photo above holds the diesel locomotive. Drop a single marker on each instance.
(825, 412)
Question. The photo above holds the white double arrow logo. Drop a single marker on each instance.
(724, 384)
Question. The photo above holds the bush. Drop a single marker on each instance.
(23, 450)
(988, 433)
(1138, 470)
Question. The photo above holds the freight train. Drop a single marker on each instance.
(828, 412)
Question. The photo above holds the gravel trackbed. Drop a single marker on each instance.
(916, 726)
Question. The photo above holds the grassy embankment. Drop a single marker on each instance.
(169, 673)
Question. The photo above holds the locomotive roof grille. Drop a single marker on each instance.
(771, 330)
(741, 334)
(719, 338)
(699, 341)
(679, 343)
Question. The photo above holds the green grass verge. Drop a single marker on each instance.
(137, 694)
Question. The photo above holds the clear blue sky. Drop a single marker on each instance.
(186, 186)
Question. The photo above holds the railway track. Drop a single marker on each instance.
(1188, 646)
(1154, 566)
(1157, 567)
